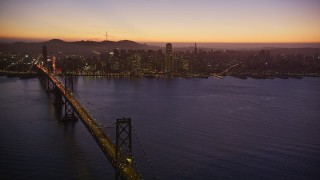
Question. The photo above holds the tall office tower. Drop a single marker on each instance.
(195, 48)
(175, 60)
(168, 60)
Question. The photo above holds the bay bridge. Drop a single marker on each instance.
(118, 154)
(72, 106)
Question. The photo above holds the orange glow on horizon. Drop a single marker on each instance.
(273, 21)
(38, 38)
(163, 35)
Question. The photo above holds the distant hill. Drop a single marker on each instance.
(86, 48)
(55, 46)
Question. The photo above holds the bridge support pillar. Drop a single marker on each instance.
(57, 96)
(123, 143)
(50, 86)
(68, 109)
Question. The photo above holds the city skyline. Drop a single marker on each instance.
(244, 21)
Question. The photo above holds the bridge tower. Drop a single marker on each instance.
(68, 109)
(54, 92)
(123, 143)
(50, 85)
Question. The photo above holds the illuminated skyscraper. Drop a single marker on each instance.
(169, 59)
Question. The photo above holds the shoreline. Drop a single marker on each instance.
(25, 75)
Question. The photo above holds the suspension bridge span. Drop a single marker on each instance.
(118, 160)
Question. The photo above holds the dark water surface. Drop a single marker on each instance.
(190, 128)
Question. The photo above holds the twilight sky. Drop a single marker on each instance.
(161, 20)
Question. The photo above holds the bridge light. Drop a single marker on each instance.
(129, 161)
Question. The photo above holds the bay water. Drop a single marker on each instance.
(184, 128)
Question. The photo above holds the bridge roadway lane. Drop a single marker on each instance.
(126, 170)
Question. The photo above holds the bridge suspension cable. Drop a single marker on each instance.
(109, 125)
(145, 154)
(84, 102)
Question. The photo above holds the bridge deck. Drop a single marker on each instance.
(126, 171)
